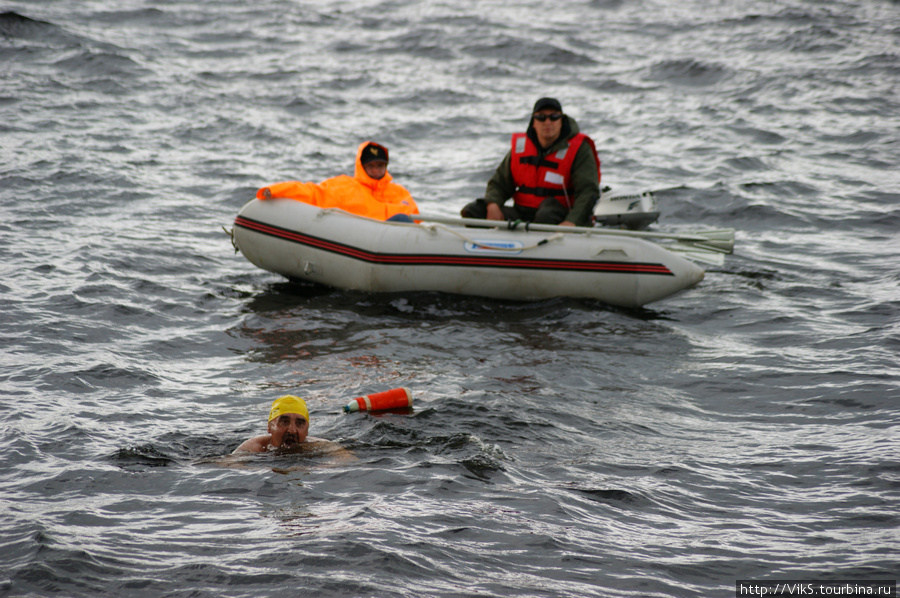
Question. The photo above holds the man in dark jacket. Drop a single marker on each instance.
(552, 172)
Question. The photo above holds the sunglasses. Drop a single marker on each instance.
(542, 117)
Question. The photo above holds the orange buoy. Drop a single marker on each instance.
(396, 398)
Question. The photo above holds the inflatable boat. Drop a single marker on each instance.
(451, 255)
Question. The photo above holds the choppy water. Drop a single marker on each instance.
(747, 428)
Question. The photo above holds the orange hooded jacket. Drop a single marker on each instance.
(360, 194)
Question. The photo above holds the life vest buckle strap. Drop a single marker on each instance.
(539, 162)
(544, 191)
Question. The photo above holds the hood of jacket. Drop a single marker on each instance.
(363, 177)
(569, 129)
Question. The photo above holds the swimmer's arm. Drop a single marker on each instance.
(258, 444)
(332, 449)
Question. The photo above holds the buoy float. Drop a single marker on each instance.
(395, 398)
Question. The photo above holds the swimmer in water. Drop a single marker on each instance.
(289, 432)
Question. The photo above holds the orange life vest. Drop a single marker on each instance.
(538, 178)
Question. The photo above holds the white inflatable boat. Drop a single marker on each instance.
(450, 255)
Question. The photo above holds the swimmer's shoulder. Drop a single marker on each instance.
(258, 444)
(328, 448)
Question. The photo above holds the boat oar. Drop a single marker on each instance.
(719, 241)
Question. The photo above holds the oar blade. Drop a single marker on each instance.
(721, 240)
(697, 254)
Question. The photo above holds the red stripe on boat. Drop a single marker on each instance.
(411, 259)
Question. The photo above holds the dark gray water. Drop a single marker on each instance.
(745, 429)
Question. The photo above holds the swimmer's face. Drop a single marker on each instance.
(288, 430)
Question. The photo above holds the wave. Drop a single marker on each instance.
(688, 72)
(100, 65)
(16, 26)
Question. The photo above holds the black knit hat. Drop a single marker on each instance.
(545, 103)
(374, 153)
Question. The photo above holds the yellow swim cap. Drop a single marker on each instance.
(289, 404)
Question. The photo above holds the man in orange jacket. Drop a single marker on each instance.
(369, 192)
